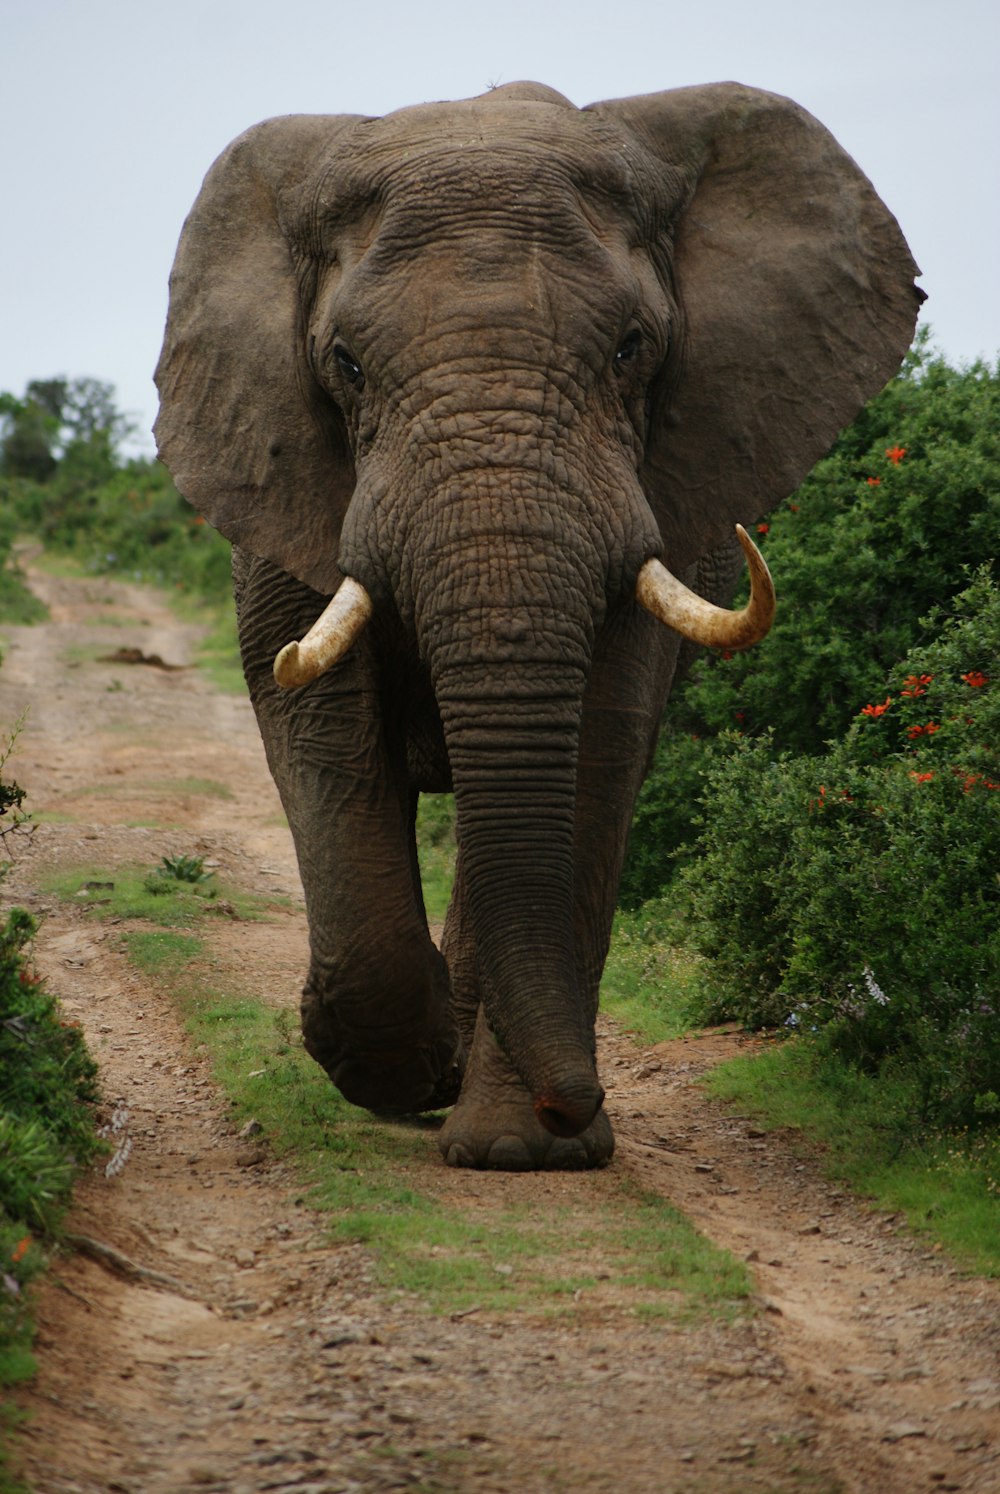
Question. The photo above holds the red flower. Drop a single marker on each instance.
(874, 482)
(763, 528)
(877, 710)
(896, 454)
(794, 508)
(916, 684)
(976, 678)
(921, 777)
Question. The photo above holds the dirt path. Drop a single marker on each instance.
(260, 1359)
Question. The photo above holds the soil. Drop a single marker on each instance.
(246, 1355)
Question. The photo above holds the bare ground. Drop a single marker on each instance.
(250, 1356)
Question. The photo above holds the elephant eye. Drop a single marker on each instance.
(347, 365)
(629, 349)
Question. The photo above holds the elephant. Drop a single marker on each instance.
(484, 394)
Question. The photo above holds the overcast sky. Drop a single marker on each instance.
(111, 111)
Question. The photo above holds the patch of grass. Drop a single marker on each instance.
(946, 1185)
(359, 1173)
(18, 604)
(162, 953)
(649, 978)
(358, 1170)
(124, 894)
(436, 852)
(219, 651)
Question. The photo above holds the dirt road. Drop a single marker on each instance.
(253, 1357)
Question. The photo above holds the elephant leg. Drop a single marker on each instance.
(375, 1005)
(494, 1124)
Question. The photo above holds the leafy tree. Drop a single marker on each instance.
(60, 421)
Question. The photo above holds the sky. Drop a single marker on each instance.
(111, 112)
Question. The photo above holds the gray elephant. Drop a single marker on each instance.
(479, 372)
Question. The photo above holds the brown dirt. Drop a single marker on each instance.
(260, 1358)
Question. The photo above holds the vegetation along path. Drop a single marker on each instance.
(236, 1318)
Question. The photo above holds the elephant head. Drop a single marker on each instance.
(505, 369)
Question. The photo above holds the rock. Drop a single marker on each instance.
(902, 1430)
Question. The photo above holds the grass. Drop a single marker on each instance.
(125, 893)
(648, 981)
(946, 1186)
(436, 851)
(615, 1246)
(501, 1256)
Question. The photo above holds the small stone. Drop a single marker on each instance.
(244, 1257)
(252, 1128)
(813, 1228)
(902, 1430)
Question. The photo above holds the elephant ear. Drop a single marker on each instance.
(246, 431)
(796, 291)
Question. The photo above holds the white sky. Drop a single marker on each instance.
(111, 111)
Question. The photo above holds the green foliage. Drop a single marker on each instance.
(178, 869)
(436, 851)
(47, 1087)
(862, 552)
(883, 530)
(649, 983)
(857, 895)
(61, 477)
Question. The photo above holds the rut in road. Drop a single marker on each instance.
(249, 1354)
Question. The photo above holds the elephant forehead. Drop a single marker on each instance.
(512, 155)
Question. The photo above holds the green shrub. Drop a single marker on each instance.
(856, 895)
(885, 528)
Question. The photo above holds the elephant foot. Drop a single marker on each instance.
(403, 1079)
(494, 1124)
(510, 1139)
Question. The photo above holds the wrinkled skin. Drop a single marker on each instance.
(487, 359)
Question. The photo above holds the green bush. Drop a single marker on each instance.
(47, 1088)
(885, 528)
(856, 895)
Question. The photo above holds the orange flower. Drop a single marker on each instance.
(976, 678)
(877, 710)
(763, 528)
(921, 777)
(916, 684)
(896, 454)
(874, 482)
(20, 1249)
(794, 508)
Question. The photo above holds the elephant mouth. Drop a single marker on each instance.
(668, 599)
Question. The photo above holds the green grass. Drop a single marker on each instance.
(123, 894)
(436, 852)
(219, 651)
(648, 982)
(359, 1173)
(947, 1186)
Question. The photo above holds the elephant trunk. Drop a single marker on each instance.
(513, 763)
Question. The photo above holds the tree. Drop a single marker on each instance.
(61, 420)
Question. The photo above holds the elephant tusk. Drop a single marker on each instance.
(329, 638)
(701, 621)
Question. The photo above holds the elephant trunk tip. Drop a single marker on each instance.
(569, 1114)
